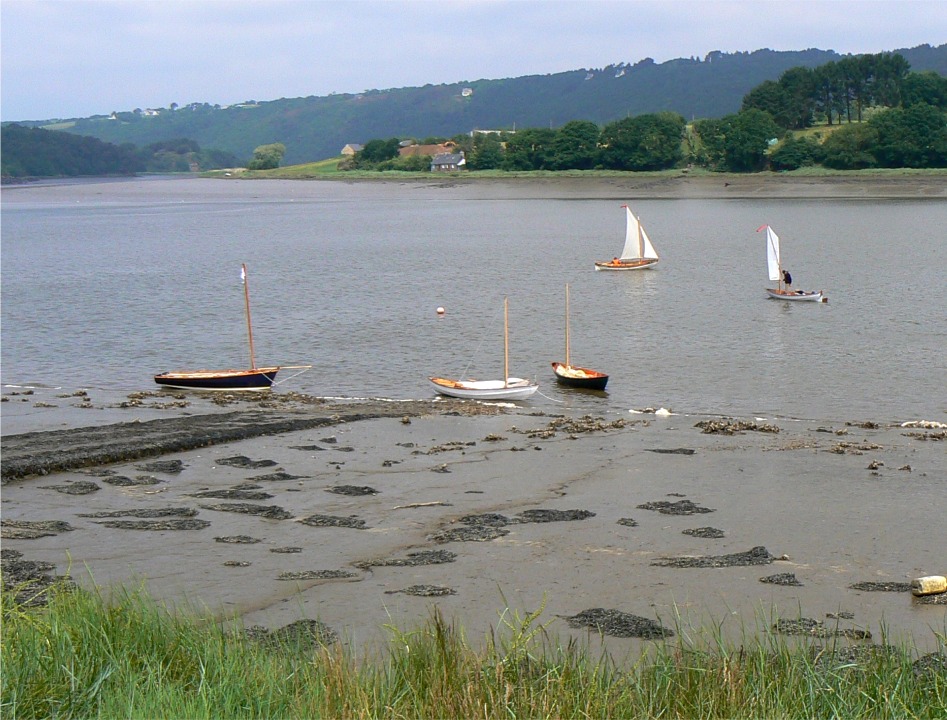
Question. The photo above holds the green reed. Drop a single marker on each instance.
(125, 656)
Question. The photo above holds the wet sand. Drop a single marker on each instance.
(367, 514)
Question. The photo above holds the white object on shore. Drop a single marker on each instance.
(930, 585)
(928, 424)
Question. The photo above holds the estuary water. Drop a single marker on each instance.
(106, 283)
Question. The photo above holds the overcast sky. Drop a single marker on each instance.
(75, 58)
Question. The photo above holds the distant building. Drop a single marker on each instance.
(351, 149)
(448, 162)
(466, 92)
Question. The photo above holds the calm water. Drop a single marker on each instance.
(105, 284)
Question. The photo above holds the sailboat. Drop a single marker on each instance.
(573, 375)
(509, 388)
(638, 252)
(774, 264)
(253, 378)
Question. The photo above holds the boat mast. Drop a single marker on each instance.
(506, 342)
(567, 325)
(640, 241)
(246, 302)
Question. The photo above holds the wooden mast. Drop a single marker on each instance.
(640, 241)
(506, 342)
(246, 301)
(568, 364)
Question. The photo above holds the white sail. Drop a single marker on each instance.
(637, 243)
(772, 254)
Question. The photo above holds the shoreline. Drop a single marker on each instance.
(370, 513)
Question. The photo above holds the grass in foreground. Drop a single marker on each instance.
(85, 656)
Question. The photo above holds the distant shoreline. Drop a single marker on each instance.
(868, 184)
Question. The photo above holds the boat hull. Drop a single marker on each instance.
(513, 389)
(579, 377)
(228, 380)
(797, 295)
(642, 264)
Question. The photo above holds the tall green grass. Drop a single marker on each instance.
(125, 656)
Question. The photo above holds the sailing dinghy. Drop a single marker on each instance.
(774, 264)
(252, 378)
(573, 375)
(638, 252)
(510, 388)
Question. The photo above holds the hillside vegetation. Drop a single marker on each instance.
(313, 128)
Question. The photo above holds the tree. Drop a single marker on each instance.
(529, 149)
(575, 146)
(913, 137)
(924, 87)
(267, 157)
(377, 151)
(645, 142)
(794, 153)
(850, 148)
(738, 142)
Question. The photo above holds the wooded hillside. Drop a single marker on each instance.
(313, 128)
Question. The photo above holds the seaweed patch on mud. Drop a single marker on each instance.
(424, 591)
(681, 507)
(352, 490)
(618, 624)
(233, 494)
(788, 579)
(470, 533)
(143, 513)
(273, 512)
(173, 524)
(414, 559)
(32, 529)
(242, 461)
(82, 487)
(816, 628)
(238, 540)
(316, 575)
(710, 533)
(334, 521)
(124, 481)
(881, 586)
(302, 634)
(732, 427)
(28, 581)
(169, 467)
(758, 555)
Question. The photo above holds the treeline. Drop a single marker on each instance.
(893, 118)
(35, 152)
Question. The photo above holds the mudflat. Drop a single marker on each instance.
(625, 528)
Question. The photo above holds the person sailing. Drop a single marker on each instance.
(787, 278)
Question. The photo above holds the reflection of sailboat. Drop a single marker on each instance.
(638, 252)
(774, 265)
(573, 375)
(509, 388)
(253, 378)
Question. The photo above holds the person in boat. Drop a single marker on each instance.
(616, 261)
(787, 278)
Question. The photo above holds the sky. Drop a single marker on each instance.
(77, 58)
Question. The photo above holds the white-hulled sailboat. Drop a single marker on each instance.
(509, 388)
(774, 264)
(638, 252)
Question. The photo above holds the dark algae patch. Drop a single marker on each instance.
(618, 624)
(273, 512)
(414, 559)
(681, 507)
(788, 579)
(334, 521)
(173, 524)
(83, 487)
(756, 556)
(424, 591)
